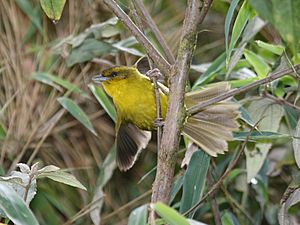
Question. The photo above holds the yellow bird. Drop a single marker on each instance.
(134, 98)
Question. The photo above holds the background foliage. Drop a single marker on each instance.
(50, 113)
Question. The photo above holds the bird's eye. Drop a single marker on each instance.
(114, 74)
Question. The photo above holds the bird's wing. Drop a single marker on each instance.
(130, 141)
(212, 127)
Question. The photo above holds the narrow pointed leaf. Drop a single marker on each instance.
(104, 101)
(15, 208)
(194, 180)
(138, 216)
(169, 215)
(77, 112)
(63, 177)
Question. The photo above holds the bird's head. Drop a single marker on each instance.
(115, 74)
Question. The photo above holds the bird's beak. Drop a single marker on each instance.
(100, 78)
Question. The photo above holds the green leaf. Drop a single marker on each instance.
(276, 49)
(296, 144)
(124, 46)
(245, 116)
(169, 215)
(228, 20)
(96, 30)
(194, 180)
(229, 219)
(138, 216)
(106, 172)
(232, 175)
(77, 112)
(176, 187)
(209, 74)
(62, 177)
(269, 114)
(262, 136)
(15, 208)
(240, 83)
(284, 16)
(238, 27)
(53, 8)
(29, 10)
(89, 49)
(52, 80)
(104, 101)
(2, 131)
(260, 66)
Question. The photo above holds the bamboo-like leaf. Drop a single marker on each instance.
(209, 74)
(238, 27)
(269, 115)
(53, 8)
(89, 49)
(169, 215)
(2, 131)
(260, 66)
(262, 136)
(52, 80)
(284, 16)
(62, 177)
(15, 208)
(276, 49)
(228, 20)
(194, 180)
(104, 101)
(296, 144)
(28, 9)
(138, 216)
(77, 112)
(106, 172)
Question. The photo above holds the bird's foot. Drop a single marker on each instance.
(154, 74)
(159, 122)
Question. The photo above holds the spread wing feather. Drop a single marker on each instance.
(130, 141)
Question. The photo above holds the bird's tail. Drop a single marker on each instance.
(212, 127)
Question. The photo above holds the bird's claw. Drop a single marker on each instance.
(159, 122)
(154, 74)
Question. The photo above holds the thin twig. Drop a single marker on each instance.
(158, 109)
(160, 39)
(225, 174)
(154, 77)
(281, 101)
(235, 204)
(86, 209)
(109, 216)
(153, 53)
(273, 76)
(214, 204)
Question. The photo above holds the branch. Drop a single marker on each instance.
(214, 203)
(273, 76)
(176, 113)
(281, 101)
(153, 53)
(160, 39)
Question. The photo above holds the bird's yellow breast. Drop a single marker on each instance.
(134, 99)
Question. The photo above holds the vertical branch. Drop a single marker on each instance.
(214, 204)
(153, 53)
(160, 39)
(194, 15)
